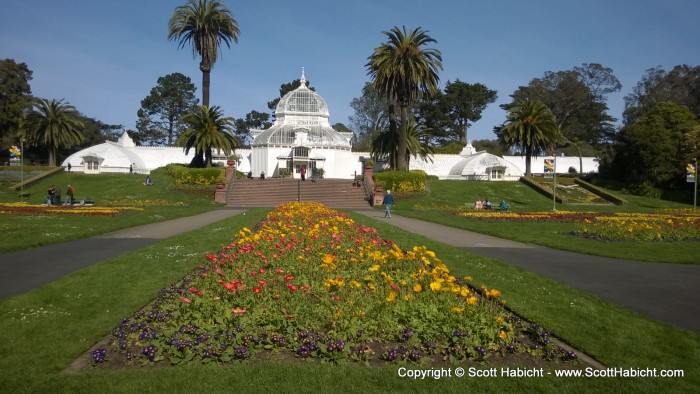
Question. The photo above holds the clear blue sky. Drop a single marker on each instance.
(104, 56)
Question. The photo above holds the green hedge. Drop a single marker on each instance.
(600, 192)
(194, 176)
(402, 181)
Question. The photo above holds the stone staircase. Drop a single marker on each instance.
(334, 193)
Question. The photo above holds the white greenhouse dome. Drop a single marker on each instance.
(483, 166)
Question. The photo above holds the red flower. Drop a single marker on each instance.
(185, 300)
(279, 270)
(292, 287)
(262, 283)
(257, 290)
(288, 277)
(290, 316)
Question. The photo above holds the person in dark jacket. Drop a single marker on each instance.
(388, 202)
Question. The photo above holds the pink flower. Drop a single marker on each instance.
(292, 287)
(288, 277)
(238, 311)
(185, 300)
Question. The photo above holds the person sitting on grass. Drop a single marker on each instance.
(148, 181)
(487, 204)
(503, 205)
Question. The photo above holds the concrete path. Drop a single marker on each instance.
(666, 292)
(24, 270)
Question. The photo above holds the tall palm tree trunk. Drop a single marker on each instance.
(528, 161)
(402, 163)
(206, 79)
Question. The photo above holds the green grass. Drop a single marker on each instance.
(83, 307)
(161, 202)
(446, 197)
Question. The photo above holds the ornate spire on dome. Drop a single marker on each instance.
(126, 141)
(468, 150)
(302, 80)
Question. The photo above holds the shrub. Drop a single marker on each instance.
(193, 176)
(402, 181)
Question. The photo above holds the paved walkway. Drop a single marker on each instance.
(24, 270)
(666, 292)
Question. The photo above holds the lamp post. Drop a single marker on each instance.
(554, 187)
(695, 193)
(21, 169)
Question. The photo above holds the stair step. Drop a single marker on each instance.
(334, 193)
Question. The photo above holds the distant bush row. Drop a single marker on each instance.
(184, 175)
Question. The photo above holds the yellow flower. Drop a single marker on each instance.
(417, 288)
(407, 297)
(355, 284)
(436, 286)
(457, 310)
(370, 285)
(472, 300)
(499, 321)
(374, 268)
(493, 293)
(464, 292)
(391, 296)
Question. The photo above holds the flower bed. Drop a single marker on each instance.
(42, 209)
(310, 283)
(670, 225)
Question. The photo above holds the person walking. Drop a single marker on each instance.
(388, 202)
(302, 171)
(69, 195)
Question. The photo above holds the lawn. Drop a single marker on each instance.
(445, 198)
(46, 329)
(134, 203)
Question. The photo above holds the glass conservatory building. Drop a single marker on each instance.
(302, 137)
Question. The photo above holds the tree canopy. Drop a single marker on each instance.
(15, 98)
(531, 126)
(681, 86)
(654, 150)
(208, 129)
(205, 25)
(52, 124)
(577, 98)
(161, 112)
(403, 69)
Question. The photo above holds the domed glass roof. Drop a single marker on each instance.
(478, 164)
(301, 118)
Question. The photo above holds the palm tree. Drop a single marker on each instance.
(204, 24)
(207, 129)
(384, 144)
(532, 126)
(402, 69)
(53, 124)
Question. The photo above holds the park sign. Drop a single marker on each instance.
(691, 173)
(15, 152)
(548, 168)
